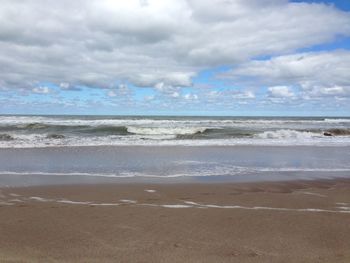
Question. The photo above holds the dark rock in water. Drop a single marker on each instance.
(327, 134)
(6, 137)
(55, 136)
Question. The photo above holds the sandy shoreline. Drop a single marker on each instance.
(301, 221)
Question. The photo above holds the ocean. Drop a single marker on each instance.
(58, 131)
(43, 150)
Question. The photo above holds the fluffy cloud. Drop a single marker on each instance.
(280, 92)
(244, 95)
(190, 96)
(336, 90)
(41, 90)
(306, 69)
(99, 43)
(315, 74)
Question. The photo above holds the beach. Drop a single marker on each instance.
(164, 131)
(174, 189)
(299, 221)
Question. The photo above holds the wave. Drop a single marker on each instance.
(125, 121)
(338, 132)
(57, 131)
(33, 126)
(55, 136)
(216, 133)
(288, 134)
(263, 139)
(337, 120)
(105, 130)
(165, 130)
(6, 137)
(302, 134)
(74, 129)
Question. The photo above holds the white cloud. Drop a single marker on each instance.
(305, 69)
(121, 91)
(190, 96)
(64, 86)
(244, 95)
(41, 90)
(168, 90)
(99, 43)
(280, 92)
(111, 93)
(336, 90)
(149, 98)
(316, 74)
(175, 94)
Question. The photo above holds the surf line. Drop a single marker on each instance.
(190, 204)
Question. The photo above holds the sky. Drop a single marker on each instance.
(175, 57)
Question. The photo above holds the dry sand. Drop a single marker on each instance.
(261, 222)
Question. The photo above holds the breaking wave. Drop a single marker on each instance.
(288, 134)
(6, 137)
(165, 130)
(43, 131)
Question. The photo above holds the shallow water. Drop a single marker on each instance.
(68, 165)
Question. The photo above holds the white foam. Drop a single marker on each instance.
(337, 120)
(104, 204)
(128, 201)
(213, 170)
(186, 204)
(161, 132)
(66, 201)
(190, 162)
(5, 203)
(40, 199)
(165, 130)
(16, 200)
(264, 139)
(288, 134)
(18, 120)
(176, 206)
(191, 203)
(266, 208)
(314, 194)
(73, 202)
(150, 191)
(344, 208)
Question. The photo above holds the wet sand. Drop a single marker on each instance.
(300, 221)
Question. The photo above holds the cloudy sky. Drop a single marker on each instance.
(177, 57)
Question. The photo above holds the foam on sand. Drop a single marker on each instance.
(150, 191)
(128, 201)
(191, 204)
(176, 206)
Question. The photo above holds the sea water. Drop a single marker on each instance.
(55, 131)
(37, 150)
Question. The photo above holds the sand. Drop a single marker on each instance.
(306, 221)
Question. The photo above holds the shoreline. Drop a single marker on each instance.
(94, 165)
(294, 221)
